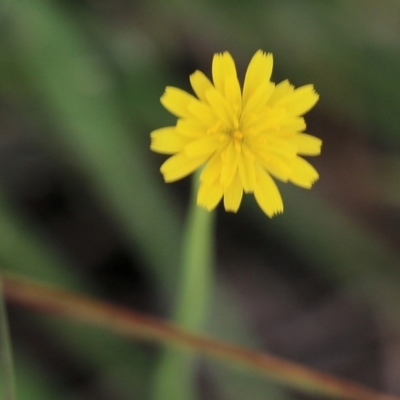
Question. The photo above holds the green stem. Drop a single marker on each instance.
(196, 265)
(6, 360)
(175, 379)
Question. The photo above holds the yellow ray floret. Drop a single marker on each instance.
(243, 138)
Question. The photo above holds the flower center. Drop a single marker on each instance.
(237, 137)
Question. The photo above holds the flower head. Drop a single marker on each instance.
(241, 136)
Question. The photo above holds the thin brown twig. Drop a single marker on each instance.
(44, 298)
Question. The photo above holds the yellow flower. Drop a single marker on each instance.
(241, 136)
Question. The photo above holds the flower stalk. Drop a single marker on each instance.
(176, 374)
(196, 264)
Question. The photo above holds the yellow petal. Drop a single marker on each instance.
(179, 166)
(233, 93)
(221, 107)
(233, 194)
(209, 195)
(302, 100)
(230, 161)
(258, 99)
(200, 84)
(275, 145)
(166, 141)
(202, 113)
(267, 193)
(268, 119)
(247, 171)
(292, 124)
(212, 171)
(307, 145)
(275, 165)
(176, 101)
(258, 72)
(281, 92)
(303, 174)
(222, 66)
(204, 146)
(190, 128)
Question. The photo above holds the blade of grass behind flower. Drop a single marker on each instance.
(78, 93)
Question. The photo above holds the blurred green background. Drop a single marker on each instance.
(83, 205)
